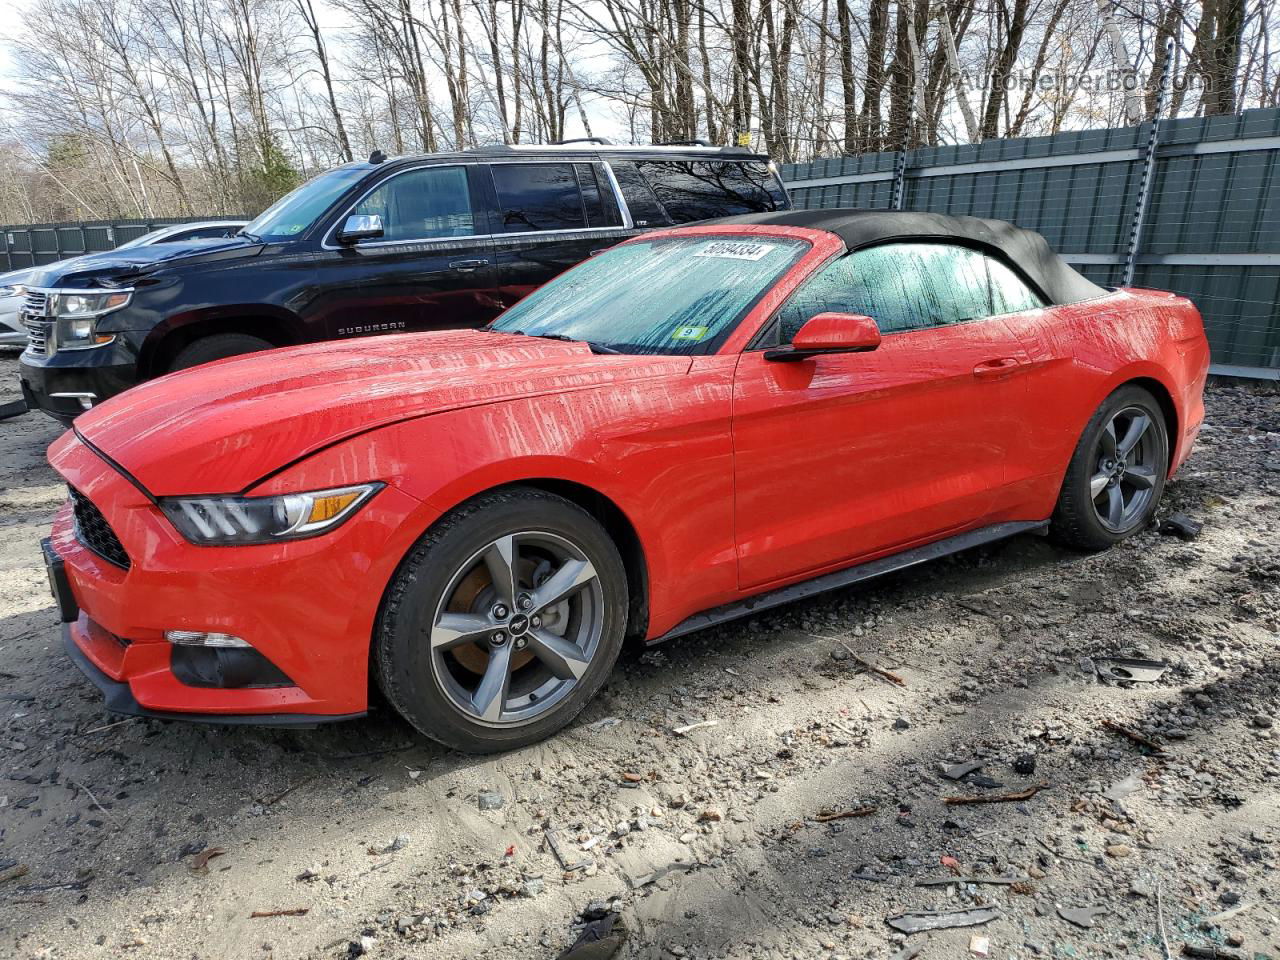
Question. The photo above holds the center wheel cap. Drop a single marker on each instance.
(519, 625)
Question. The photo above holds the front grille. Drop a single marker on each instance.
(95, 533)
(35, 312)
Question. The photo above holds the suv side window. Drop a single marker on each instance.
(597, 197)
(902, 286)
(693, 190)
(645, 209)
(538, 196)
(422, 204)
(203, 233)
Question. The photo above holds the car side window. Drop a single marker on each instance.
(693, 190)
(645, 209)
(538, 196)
(1009, 293)
(206, 233)
(422, 205)
(902, 286)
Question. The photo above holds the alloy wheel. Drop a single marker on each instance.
(1124, 479)
(517, 627)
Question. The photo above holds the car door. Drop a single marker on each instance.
(551, 215)
(433, 267)
(842, 457)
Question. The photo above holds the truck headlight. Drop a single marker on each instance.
(213, 521)
(77, 316)
(88, 303)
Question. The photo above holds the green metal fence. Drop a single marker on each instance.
(1212, 226)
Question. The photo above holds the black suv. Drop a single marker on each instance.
(411, 243)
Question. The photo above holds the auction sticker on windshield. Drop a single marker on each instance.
(734, 250)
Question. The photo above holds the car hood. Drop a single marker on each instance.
(114, 267)
(222, 427)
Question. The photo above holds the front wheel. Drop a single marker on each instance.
(219, 346)
(1117, 474)
(502, 622)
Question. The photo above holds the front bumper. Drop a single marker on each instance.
(98, 373)
(308, 606)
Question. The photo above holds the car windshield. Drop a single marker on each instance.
(669, 295)
(296, 211)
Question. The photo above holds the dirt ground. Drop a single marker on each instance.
(139, 838)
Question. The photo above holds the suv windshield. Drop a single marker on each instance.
(296, 211)
(672, 295)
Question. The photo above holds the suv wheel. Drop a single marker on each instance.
(1116, 476)
(502, 621)
(217, 347)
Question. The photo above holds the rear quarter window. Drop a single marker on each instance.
(692, 190)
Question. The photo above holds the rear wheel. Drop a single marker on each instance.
(219, 346)
(502, 622)
(1116, 476)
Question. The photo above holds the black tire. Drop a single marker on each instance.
(1085, 520)
(219, 346)
(428, 687)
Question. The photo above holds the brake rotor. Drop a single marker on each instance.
(469, 596)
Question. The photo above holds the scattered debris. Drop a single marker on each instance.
(826, 816)
(1181, 526)
(1024, 764)
(604, 724)
(948, 881)
(1213, 952)
(200, 863)
(1081, 916)
(919, 921)
(908, 953)
(1226, 915)
(1026, 794)
(599, 939)
(490, 800)
(694, 726)
(958, 771)
(557, 849)
(286, 912)
(1133, 735)
(980, 946)
(14, 872)
(1126, 787)
(1125, 670)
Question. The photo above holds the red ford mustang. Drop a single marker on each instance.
(687, 428)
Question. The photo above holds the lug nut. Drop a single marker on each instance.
(499, 639)
(525, 601)
(520, 644)
(500, 612)
(535, 622)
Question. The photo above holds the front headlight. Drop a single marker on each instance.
(13, 290)
(241, 520)
(88, 303)
(76, 315)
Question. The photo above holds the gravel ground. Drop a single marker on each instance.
(161, 840)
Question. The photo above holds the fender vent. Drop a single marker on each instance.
(95, 533)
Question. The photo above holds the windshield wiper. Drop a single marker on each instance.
(251, 236)
(595, 347)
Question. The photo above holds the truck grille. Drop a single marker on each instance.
(35, 311)
(94, 532)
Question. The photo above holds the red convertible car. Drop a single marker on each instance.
(689, 427)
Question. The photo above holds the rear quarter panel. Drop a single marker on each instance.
(1080, 353)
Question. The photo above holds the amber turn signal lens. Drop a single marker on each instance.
(328, 507)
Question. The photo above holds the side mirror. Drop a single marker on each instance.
(830, 333)
(360, 226)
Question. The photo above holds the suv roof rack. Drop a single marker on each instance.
(587, 143)
(600, 140)
(682, 143)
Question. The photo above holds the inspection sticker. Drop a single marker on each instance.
(689, 333)
(735, 250)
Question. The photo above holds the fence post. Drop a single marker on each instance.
(900, 162)
(1148, 169)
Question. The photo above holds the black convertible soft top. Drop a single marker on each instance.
(1024, 249)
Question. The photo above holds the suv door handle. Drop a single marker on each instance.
(466, 265)
(995, 369)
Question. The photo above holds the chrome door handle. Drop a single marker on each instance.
(465, 265)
